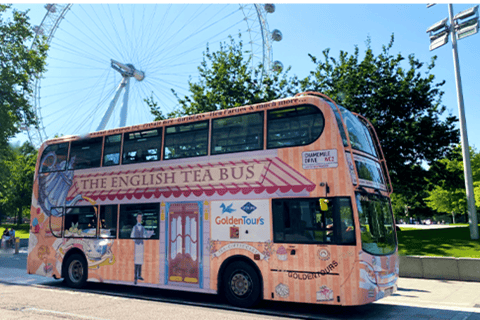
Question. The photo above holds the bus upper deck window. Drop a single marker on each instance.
(85, 153)
(111, 150)
(186, 140)
(294, 126)
(142, 146)
(237, 133)
(54, 158)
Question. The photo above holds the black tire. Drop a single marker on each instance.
(76, 271)
(241, 285)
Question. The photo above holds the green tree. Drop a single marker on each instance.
(17, 188)
(447, 192)
(226, 81)
(403, 105)
(19, 67)
(7, 156)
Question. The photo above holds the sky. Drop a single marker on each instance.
(169, 43)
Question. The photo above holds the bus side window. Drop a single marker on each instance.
(347, 226)
(279, 222)
(108, 221)
(294, 126)
(328, 222)
(237, 133)
(301, 221)
(186, 140)
(54, 158)
(81, 222)
(111, 150)
(129, 217)
(142, 146)
(85, 153)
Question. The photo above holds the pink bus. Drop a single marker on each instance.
(286, 200)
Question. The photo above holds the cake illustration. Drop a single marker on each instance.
(325, 294)
(282, 253)
(282, 290)
(48, 268)
(323, 254)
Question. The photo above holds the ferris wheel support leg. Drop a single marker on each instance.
(109, 111)
(123, 112)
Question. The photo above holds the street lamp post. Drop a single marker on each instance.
(438, 37)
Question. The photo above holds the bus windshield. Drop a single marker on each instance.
(358, 132)
(376, 224)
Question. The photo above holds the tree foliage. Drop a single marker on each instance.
(447, 193)
(17, 168)
(403, 105)
(19, 66)
(226, 81)
(398, 94)
(6, 157)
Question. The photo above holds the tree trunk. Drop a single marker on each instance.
(20, 211)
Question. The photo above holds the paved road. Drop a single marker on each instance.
(25, 296)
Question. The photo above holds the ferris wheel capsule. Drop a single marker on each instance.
(277, 35)
(277, 66)
(38, 30)
(51, 7)
(270, 7)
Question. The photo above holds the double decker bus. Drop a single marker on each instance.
(286, 201)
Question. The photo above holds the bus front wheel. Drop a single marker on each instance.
(241, 285)
(76, 271)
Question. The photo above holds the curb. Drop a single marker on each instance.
(23, 243)
(445, 268)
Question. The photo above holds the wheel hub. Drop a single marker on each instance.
(75, 271)
(240, 284)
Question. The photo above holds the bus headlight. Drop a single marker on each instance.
(369, 272)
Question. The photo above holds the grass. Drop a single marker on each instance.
(447, 242)
(22, 231)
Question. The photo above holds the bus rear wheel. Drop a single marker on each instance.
(241, 285)
(76, 272)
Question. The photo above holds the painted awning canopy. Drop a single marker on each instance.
(269, 174)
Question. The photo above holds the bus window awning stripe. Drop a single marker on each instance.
(270, 175)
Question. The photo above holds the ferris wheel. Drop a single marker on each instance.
(104, 60)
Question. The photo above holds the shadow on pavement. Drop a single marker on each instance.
(278, 309)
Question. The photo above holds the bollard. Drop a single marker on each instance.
(17, 244)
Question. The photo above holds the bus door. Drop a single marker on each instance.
(183, 244)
